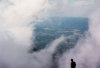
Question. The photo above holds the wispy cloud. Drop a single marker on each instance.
(86, 52)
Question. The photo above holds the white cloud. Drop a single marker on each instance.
(16, 31)
(86, 52)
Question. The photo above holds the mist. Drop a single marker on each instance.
(17, 24)
(17, 33)
(86, 51)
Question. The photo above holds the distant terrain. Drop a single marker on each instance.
(53, 28)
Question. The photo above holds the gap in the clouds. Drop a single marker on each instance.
(54, 27)
(49, 30)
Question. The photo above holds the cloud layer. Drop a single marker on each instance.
(86, 53)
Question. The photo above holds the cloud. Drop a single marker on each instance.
(68, 8)
(86, 52)
(17, 31)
